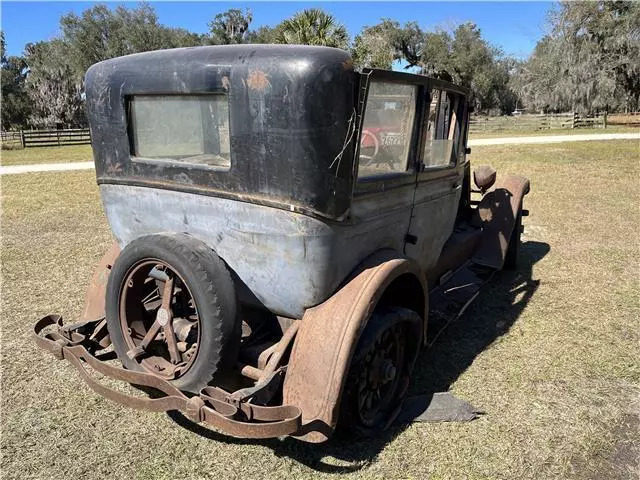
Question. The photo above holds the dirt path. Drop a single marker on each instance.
(554, 138)
(45, 167)
(60, 167)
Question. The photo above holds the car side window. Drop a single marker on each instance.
(443, 129)
(386, 129)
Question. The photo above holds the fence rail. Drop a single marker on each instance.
(11, 138)
(478, 124)
(51, 138)
(46, 138)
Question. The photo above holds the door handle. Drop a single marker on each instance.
(455, 185)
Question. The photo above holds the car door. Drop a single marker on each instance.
(440, 173)
(385, 167)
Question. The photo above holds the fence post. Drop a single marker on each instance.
(573, 119)
(604, 120)
(22, 139)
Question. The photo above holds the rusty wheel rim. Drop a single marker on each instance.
(159, 319)
(382, 368)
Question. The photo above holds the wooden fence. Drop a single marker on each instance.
(479, 124)
(55, 138)
(45, 138)
(11, 139)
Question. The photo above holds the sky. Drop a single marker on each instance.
(513, 26)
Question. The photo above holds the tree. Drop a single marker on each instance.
(589, 61)
(312, 27)
(538, 81)
(54, 91)
(100, 33)
(463, 57)
(375, 47)
(230, 27)
(15, 102)
(264, 34)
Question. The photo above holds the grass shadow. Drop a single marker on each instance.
(491, 316)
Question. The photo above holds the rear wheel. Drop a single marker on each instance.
(380, 370)
(171, 310)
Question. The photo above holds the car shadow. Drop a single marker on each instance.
(497, 308)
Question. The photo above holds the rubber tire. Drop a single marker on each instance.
(513, 249)
(382, 318)
(213, 292)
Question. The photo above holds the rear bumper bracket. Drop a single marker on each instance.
(79, 344)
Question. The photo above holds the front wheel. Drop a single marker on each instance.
(380, 370)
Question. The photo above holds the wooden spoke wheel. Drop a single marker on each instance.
(171, 310)
(159, 319)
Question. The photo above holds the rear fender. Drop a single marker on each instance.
(328, 335)
(95, 296)
(496, 214)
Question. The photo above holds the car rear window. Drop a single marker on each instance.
(192, 129)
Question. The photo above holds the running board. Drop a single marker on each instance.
(449, 300)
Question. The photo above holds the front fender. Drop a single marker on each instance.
(496, 214)
(326, 341)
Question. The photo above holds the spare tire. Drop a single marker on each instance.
(171, 310)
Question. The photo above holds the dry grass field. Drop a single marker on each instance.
(550, 353)
(26, 156)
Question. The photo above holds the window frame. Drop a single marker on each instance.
(461, 112)
(392, 180)
(169, 161)
(408, 145)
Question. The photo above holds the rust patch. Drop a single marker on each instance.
(348, 64)
(258, 80)
(94, 298)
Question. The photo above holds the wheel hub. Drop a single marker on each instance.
(159, 320)
(388, 371)
(379, 378)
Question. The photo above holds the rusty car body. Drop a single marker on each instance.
(289, 232)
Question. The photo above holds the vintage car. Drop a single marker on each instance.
(289, 232)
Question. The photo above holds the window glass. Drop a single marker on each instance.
(193, 129)
(443, 129)
(386, 129)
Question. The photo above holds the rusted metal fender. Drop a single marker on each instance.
(95, 297)
(496, 214)
(328, 335)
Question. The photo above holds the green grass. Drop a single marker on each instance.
(549, 353)
(24, 156)
(554, 131)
